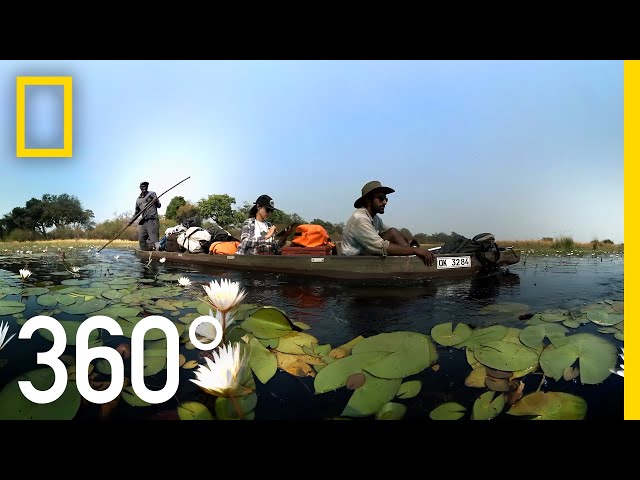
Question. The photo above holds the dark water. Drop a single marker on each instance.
(338, 311)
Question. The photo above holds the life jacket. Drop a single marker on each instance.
(223, 248)
(310, 235)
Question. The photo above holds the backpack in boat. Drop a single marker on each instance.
(479, 245)
(171, 245)
(219, 234)
(195, 240)
(309, 235)
(224, 248)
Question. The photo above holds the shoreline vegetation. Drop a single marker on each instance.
(61, 220)
(551, 247)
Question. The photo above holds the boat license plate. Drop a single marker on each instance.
(453, 262)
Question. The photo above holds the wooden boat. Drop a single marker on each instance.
(343, 267)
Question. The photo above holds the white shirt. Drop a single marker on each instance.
(261, 230)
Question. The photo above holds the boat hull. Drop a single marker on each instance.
(335, 266)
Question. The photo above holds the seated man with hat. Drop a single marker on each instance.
(148, 203)
(366, 234)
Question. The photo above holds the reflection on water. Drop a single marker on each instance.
(339, 311)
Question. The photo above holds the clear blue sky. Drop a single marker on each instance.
(523, 149)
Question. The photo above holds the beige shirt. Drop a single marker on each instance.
(361, 235)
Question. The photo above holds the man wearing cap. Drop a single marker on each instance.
(366, 233)
(149, 225)
(258, 235)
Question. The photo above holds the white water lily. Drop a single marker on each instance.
(184, 282)
(222, 376)
(4, 328)
(208, 331)
(24, 273)
(621, 371)
(117, 257)
(163, 259)
(224, 295)
(75, 269)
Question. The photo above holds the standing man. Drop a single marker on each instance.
(366, 234)
(149, 224)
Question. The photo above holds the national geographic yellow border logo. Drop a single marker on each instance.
(66, 150)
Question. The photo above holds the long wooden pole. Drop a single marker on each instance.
(141, 212)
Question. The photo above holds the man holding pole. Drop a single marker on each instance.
(148, 203)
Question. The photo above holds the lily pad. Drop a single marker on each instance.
(169, 277)
(533, 335)
(123, 281)
(550, 406)
(166, 305)
(129, 396)
(506, 356)
(47, 300)
(205, 308)
(321, 350)
(194, 411)
(115, 311)
(596, 355)
(298, 365)
(115, 294)
(409, 389)
(496, 384)
(335, 375)
(27, 292)
(572, 323)
(302, 325)
(347, 348)
(71, 330)
(268, 322)
(391, 411)
(226, 410)
(15, 406)
(600, 317)
(9, 307)
(484, 335)
(262, 362)
(370, 397)
(294, 341)
(409, 353)
(153, 364)
(477, 377)
(82, 307)
(447, 411)
(486, 407)
(444, 335)
(75, 282)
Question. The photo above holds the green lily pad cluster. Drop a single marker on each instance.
(383, 360)
(606, 313)
(15, 406)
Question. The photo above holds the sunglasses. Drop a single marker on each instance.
(269, 210)
(382, 198)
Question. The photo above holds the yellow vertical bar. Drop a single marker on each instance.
(68, 117)
(20, 117)
(631, 268)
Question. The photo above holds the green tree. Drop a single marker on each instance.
(174, 205)
(65, 210)
(218, 208)
(186, 211)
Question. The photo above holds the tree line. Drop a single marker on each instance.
(63, 216)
